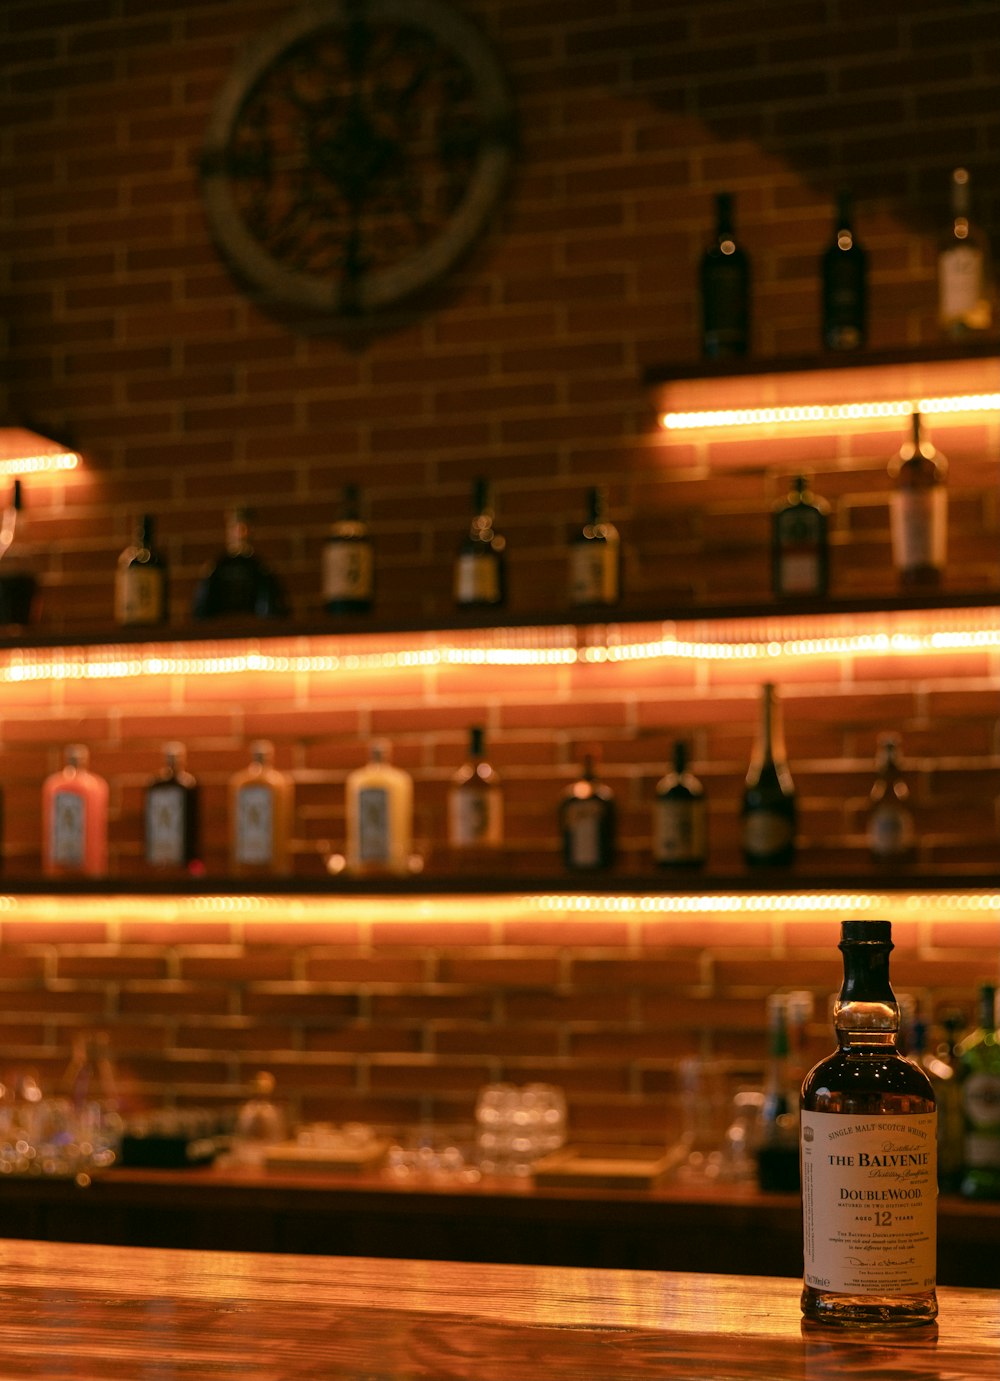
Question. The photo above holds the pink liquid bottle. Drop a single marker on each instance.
(75, 819)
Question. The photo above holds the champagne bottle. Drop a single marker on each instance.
(172, 814)
(587, 822)
(845, 283)
(239, 583)
(800, 555)
(475, 799)
(868, 1143)
(964, 278)
(725, 289)
(680, 820)
(348, 560)
(141, 580)
(769, 815)
(595, 556)
(379, 816)
(919, 510)
(17, 586)
(261, 806)
(891, 832)
(778, 1147)
(480, 575)
(75, 818)
(979, 1062)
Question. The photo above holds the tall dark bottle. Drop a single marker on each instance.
(918, 510)
(172, 815)
(587, 822)
(239, 583)
(348, 559)
(141, 579)
(868, 1135)
(724, 282)
(17, 585)
(480, 573)
(680, 817)
(595, 556)
(800, 549)
(845, 283)
(769, 815)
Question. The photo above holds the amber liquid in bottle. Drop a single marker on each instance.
(869, 1158)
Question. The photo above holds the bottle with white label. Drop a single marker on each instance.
(594, 575)
(965, 303)
(979, 1073)
(918, 510)
(141, 580)
(475, 800)
(480, 567)
(172, 815)
(769, 814)
(680, 832)
(800, 553)
(587, 821)
(379, 816)
(75, 818)
(348, 560)
(261, 805)
(868, 1137)
(891, 830)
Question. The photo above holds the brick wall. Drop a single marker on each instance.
(126, 335)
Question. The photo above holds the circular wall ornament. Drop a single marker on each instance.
(355, 153)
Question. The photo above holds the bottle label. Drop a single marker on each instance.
(962, 295)
(679, 830)
(919, 527)
(890, 830)
(593, 573)
(981, 1105)
(869, 1202)
(347, 570)
(165, 826)
(139, 595)
(255, 825)
(69, 829)
(765, 832)
(799, 571)
(374, 834)
(474, 817)
(583, 834)
(477, 579)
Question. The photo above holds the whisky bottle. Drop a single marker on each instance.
(261, 805)
(979, 1065)
(941, 1065)
(778, 1145)
(769, 814)
(480, 575)
(964, 273)
(348, 560)
(724, 283)
(800, 554)
(869, 1157)
(595, 556)
(918, 510)
(239, 583)
(680, 816)
(379, 816)
(891, 831)
(475, 799)
(141, 580)
(17, 586)
(587, 822)
(845, 283)
(75, 818)
(172, 814)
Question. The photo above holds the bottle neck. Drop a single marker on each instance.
(866, 1011)
(769, 746)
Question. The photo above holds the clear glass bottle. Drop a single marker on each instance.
(260, 1123)
(891, 828)
(595, 556)
(475, 799)
(918, 510)
(587, 822)
(141, 579)
(965, 290)
(239, 583)
(680, 816)
(800, 551)
(869, 1158)
(480, 565)
(261, 810)
(172, 816)
(75, 818)
(18, 586)
(724, 283)
(778, 1143)
(379, 816)
(979, 1065)
(348, 559)
(845, 283)
(769, 808)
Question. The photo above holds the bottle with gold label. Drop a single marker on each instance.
(595, 556)
(918, 510)
(348, 560)
(475, 799)
(379, 816)
(480, 566)
(141, 580)
(75, 818)
(261, 806)
(965, 288)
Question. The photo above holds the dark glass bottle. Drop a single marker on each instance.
(778, 1148)
(918, 511)
(725, 289)
(239, 583)
(475, 799)
(587, 822)
(17, 585)
(769, 814)
(141, 579)
(348, 560)
(172, 815)
(480, 575)
(595, 556)
(869, 1157)
(979, 1062)
(891, 833)
(680, 817)
(800, 552)
(941, 1065)
(845, 283)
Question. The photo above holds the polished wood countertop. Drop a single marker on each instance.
(126, 1313)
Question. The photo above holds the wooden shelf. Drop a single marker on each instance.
(946, 353)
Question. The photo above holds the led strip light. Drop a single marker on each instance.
(825, 413)
(38, 464)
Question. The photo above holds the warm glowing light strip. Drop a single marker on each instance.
(912, 905)
(35, 465)
(809, 413)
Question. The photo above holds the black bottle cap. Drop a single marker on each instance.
(866, 932)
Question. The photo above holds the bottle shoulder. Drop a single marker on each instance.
(859, 1078)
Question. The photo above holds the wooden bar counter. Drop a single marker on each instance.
(147, 1314)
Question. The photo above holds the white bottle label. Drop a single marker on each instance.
(477, 579)
(255, 825)
(679, 833)
(165, 826)
(69, 829)
(474, 817)
(374, 826)
(583, 830)
(869, 1202)
(799, 572)
(347, 570)
(890, 830)
(919, 527)
(593, 573)
(139, 595)
(962, 292)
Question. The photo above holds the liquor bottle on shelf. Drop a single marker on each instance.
(778, 1143)
(479, 574)
(587, 822)
(239, 583)
(891, 830)
(261, 807)
(918, 510)
(769, 814)
(379, 816)
(725, 289)
(979, 1065)
(348, 560)
(964, 272)
(800, 552)
(172, 815)
(75, 818)
(260, 1123)
(868, 1143)
(680, 816)
(595, 556)
(475, 799)
(845, 283)
(17, 586)
(941, 1066)
(141, 579)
